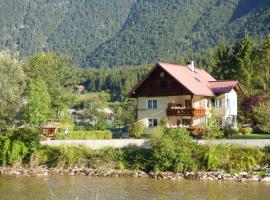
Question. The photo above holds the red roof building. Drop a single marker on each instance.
(183, 95)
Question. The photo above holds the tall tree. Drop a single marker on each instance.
(247, 69)
(12, 82)
(264, 66)
(59, 76)
(222, 66)
(38, 108)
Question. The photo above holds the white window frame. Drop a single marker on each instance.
(152, 100)
(152, 123)
(218, 103)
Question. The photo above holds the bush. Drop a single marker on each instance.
(172, 150)
(215, 157)
(136, 130)
(62, 156)
(245, 130)
(11, 150)
(262, 115)
(243, 158)
(84, 135)
(212, 129)
(229, 131)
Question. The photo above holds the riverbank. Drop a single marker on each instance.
(254, 176)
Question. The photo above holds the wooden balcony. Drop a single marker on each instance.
(177, 110)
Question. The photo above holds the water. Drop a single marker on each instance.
(86, 188)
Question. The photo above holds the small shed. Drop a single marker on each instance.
(50, 129)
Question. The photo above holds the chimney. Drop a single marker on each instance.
(191, 65)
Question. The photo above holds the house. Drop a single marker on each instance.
(183, 96)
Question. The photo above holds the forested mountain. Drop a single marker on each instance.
(127, 32)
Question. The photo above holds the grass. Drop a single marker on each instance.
(251, 136)
(84, 135)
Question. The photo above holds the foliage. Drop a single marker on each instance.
(212, 128)
(245, 130)
(229, 131)
(59, 78)
(126, 32)
(216, 157)
(12, 82)
(136, 130)
(38, 108)
(84, 135)
(172, 150)
(262, 116)
(11, 150)
(117, 81)
(125, 113)
(148, 35)
(250, 102)
(228, 157)
(264, 70)
(243, 159)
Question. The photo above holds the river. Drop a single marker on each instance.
(89, 188)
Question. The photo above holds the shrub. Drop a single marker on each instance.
(243, 158)
(229, 131)
(215, 157)
(172, 150)
(245, 130)
(137, 158)
(266, 157)
(262, 115)
(136, 130)
(11, 150)
(212, 129)
(84, 135)
(66, 156)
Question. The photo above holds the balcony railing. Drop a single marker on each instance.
(179, 110)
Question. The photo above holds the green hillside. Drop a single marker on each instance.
(127, 32)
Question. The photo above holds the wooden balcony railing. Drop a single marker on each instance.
(177, 110)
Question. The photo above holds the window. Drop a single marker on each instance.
(186, 122)
(218, 103)
(152, 123)
(152, 104)
(229, 120)
(219, 121)
(228, 102)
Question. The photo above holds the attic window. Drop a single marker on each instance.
(162, 74)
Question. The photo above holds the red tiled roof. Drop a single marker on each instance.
(223, 86)
(198, 82)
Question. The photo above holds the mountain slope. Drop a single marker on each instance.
(74, 27)
(168, 29)
(127, 32)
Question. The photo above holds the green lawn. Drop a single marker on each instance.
(251, 136)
